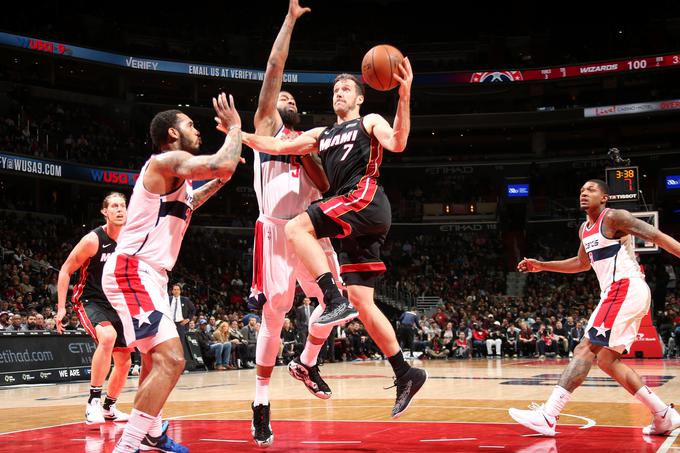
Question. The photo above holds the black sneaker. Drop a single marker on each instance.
(310, 377)
(407, 386)
(338, 311)
(260, 426)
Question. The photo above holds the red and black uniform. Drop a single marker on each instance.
(358, 212)
(88, 296)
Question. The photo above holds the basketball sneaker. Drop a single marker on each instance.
(309, 375)
(94, 413)
(112, 414)
(663, 422)
(535, 419)
(338, 311)
(260, 427)
(162, 443)
(407, 386)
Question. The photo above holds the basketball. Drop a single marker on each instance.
(379, 65)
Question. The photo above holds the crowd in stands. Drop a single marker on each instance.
(475, 317)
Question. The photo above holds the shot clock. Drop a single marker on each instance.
(623, 183)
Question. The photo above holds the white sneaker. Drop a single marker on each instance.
(114, 415)
(663, 422)
(94, 413)
(135, 370)
(535, 419)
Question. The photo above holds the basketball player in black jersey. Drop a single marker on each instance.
(96, 314)
(358, 213)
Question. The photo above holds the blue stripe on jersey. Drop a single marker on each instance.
(173, 208)
(267, 157)
(606, 252)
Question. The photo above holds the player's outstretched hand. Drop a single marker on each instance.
(227, 116)
(404, 77)
(295, 10)
(529, 265)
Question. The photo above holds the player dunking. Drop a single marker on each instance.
(358, 213)
(135, 277)
(284, 190)
(96, 313)
(607, 248)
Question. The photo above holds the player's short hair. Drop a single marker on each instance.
(357, 82)
(158, 130)
(107, 199)
(604, 187)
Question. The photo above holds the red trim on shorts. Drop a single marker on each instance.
(85, 321)
(80, 286)
(612, 304)
(127, 277)
(122, 349)
(362, 267)
(258, 258)
(354, 201)
(105, 323)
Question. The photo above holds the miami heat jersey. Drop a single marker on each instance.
(349, 154)
(89, 287)
(156, 224)
(611, 259)
(283, 188)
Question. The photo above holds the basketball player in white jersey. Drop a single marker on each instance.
(135, 277)
(96, 313)
(285, 187)
(607, 248)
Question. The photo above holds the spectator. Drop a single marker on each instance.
(479, 336)
(221, 335)
(461, 347)
(239, 345)
(18, 325)
(291, 342)
(575, 335)
(249, 334)
(527, 341)
(4, 320)
(436, 349)
(495, 340)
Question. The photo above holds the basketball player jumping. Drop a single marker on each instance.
(284, 190)
(135, 277)
(607, 248)
(359, 213)
(96, 313)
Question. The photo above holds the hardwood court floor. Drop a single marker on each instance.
(463, 407)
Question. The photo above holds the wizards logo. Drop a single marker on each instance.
(496, 76)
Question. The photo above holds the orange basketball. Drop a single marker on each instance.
(379, 65)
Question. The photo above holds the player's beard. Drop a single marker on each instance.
(290, 118)
(187, 145)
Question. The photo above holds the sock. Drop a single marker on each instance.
(135, 431)
(558, 399)
(649, 399)
(95, 392)
(261, 391)
(399, 365)
(310, 354)
(108, 402)
(328, 286)
(156, 428)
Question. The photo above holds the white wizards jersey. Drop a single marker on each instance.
(156, 224)
(283, 188)
(611, 259)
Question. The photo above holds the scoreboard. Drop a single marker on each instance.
(623, 183)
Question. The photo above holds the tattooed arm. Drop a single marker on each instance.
(621, 222)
